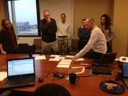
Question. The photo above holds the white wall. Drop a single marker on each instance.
(121, 26)
(91, 8)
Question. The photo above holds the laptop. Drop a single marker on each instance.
(124, 76)
(106, 58)
(20, 72)
(101, 66)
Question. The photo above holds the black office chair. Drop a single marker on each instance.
(25, 48)
(51, 89)
(73, 49)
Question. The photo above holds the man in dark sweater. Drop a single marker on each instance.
(48, 28)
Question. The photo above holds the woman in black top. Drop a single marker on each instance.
(8, 43)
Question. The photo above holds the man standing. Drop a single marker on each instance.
(83, 34)
(96, 45)
(63, 34)
(49, 28)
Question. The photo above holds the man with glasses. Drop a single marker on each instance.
(48, 28)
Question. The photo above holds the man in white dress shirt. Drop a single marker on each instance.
(96, 45)
(63, 34)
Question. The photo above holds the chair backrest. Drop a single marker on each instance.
(51, 89)
(74, 47)
(75, 44)
(25, 48)
(37, 43)
(106, 58)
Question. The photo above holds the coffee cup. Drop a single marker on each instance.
(73, 78)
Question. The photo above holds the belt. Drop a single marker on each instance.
(62, 36)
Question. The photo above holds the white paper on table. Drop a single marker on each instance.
(62, 57)
(80, 59)
(3, 75)
(54, 55)
(40, 57)
(76, 67)
(82, 67)
(54, 59)
(69, 56)
(58, 57)
(63, 65)
(66, 60)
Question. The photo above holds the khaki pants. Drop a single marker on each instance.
(62, 42)
(49, 46)
(63, 45)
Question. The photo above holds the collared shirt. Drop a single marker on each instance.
(63, 29)
(97, 42)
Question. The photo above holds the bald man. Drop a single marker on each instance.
(96, 45)
(48, 29)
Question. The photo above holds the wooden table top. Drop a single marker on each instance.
(88, 84)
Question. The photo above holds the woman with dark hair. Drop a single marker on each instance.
(8, 42)
(108, 30)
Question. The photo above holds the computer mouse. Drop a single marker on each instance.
(40, 79)
(58, 74)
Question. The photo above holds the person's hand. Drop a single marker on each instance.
(49, 20)
(3, 52)
(74, 58)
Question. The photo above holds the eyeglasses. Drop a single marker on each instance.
(46, 15)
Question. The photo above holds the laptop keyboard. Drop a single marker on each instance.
(19, 81)
(22, 79)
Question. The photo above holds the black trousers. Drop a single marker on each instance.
(81, 44)
(109, 46)
(93, 55)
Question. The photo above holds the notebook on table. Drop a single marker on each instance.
(124, 76)
(20, 72)
(101, 66)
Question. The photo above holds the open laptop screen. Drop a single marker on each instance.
(125, 69)
(20, 66)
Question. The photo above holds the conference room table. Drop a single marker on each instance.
(87, 85)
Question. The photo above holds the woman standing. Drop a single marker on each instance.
(8, 43)
(108, 30)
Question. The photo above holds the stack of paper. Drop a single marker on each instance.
(56, 58)
(3, 75)
(64, 63)
(40, 57)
